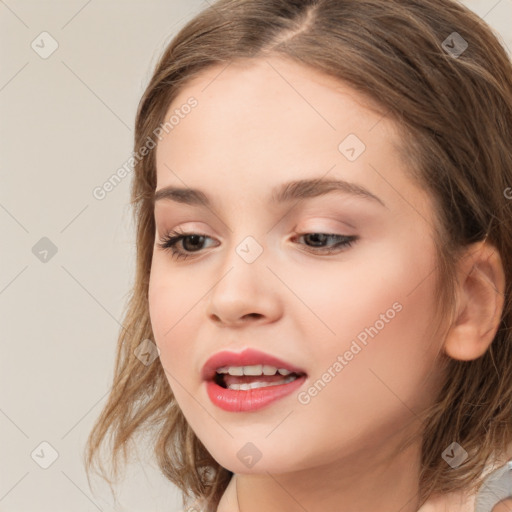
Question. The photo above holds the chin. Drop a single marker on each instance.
(253, 458)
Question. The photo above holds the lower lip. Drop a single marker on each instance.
(239, 400)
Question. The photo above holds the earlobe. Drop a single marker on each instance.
(480, 293)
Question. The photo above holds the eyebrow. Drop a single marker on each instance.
(286, 192)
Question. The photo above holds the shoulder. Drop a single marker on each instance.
(494, 474)
(452, 502)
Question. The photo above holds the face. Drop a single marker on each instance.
(339, 285)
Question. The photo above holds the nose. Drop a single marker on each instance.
(245, 293)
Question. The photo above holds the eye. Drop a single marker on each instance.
(194, 241)
(318, 240)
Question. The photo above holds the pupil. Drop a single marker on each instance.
(196, 238)
(317, 236)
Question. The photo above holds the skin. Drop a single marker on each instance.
(259, 124)
(503, 506)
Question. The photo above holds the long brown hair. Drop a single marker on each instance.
(454, 110)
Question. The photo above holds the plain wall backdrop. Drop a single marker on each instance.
(71, 75)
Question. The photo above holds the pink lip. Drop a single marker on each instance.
(247, 400)
(247, 357)
(232, 400)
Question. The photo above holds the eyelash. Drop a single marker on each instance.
(169, 241)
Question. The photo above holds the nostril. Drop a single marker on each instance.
(253, 315)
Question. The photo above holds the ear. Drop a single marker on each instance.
(480, 299)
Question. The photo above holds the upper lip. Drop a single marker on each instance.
(247, 357)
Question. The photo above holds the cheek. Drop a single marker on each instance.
(389, 377)
(380, 323)
(173, 321)
(174, 332)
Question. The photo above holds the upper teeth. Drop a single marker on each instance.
(256, 369)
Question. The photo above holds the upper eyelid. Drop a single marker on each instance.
(311, 217)
(306, 203)
(185, 233)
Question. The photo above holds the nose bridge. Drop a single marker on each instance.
(243, 266)
(248, 238)
(244, 284)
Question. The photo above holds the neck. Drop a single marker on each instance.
(359, 482)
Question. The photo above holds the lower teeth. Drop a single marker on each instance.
(254, 385)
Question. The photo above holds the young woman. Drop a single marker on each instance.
(320, 316)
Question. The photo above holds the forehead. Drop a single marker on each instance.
(266, 121)
(277, 95)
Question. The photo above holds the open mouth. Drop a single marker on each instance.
(249, 388)
(249, 380)
(246, 382)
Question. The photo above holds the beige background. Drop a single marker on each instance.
(66, 126)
